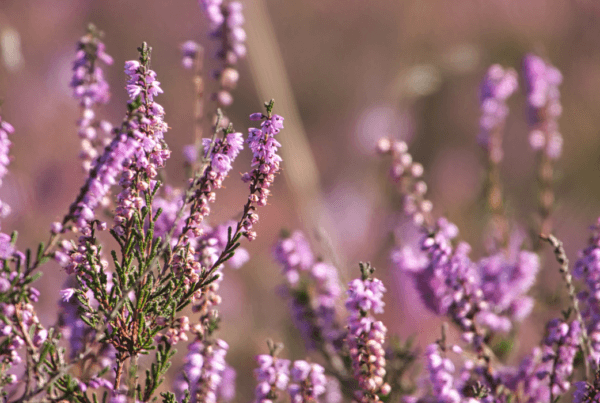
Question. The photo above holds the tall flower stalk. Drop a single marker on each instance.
(543, 110)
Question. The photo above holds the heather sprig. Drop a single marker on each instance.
(312, 288)
(543, 110)
(480, 297)
(272, 374)
(496, 87)
(132, 320)
(90, 88)
(587, 269)
(266, 163)
(20, 327)
(560, 347)
(225, 22)
(203, 371)
(441, 375)
(366, 335)
(408, 174)
(582, 331)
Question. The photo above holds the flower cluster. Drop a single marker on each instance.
(222, 153)
(545, 372)
(587, 392)
(225, 22)
(204, 371)
(6, 129)
(191, 51)
(21, 327)
(441, 376)
(366, 336)
(497, 86)
(307, 383)
(408, 174)
(560, 347)
(272, 375)
(265, 161)
(90, 88)
(490, 291)
(505, 279)
(146, 127)
(587, 268)
(313, 289)
(543, 105)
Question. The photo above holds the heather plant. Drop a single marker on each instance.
(145, 262)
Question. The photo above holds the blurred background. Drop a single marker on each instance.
(349, 73)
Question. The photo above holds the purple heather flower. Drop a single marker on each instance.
(223, 155)
(108, 166)
(505, 278)
(118, 397)
(235, 142)
(189, 52)
(497, 85)
(587, 392)
(221, 164)
(307, 383)
(366, 336)
(147, 127)
(213, 12)
(67, 294)
(4, 284)
(190, 153)
(587, 269)
(295, 255)
(408, 173)
(226, 390)
(6, 129)
(40, 337)
(365, 296)
(225, 23)
(543, 105)
(560, 347)
(548, 368)
(6, 249)
(170, 201)
(272, 375)
(441, 376)
(90, 88)
(266, 165)
(491, 291)
(204, 367)
(316, 319)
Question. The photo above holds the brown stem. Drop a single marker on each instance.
(498, 220)
(119, 370)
